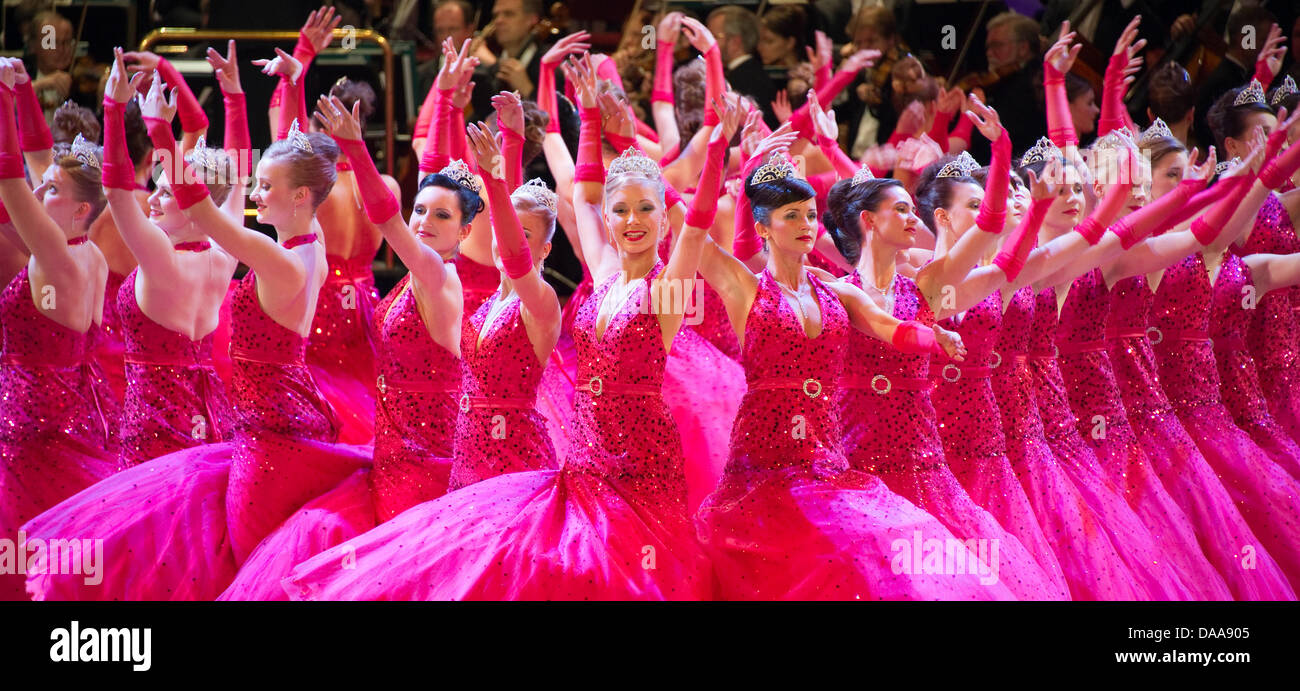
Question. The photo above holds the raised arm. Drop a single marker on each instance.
(273, 263)
(1124, 63)
(238, 144)
(1056, 64)
(44, 239)
(537, 296)
(147, 242)
(589, 176)
(662, 109)
(33, 133)
(907, 336)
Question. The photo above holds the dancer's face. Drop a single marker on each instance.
(1138, 194)
(1066, 210)
(1241, 145)
(436, 219)
(959, 215)
(59, 197)
(536, 227)
(894, 220)
(1018, 202)
(791, 228)
(163, 209)
(277, 201)
(635, 218)
(1167, 173)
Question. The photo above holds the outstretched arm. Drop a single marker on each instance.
(34, 135)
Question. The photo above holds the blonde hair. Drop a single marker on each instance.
(86, 180)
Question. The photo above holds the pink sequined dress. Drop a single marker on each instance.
(59, 428)
(971, 428)
(890, 431)
(1183, 470)
(790, 519)
(1268, 498)
(340, 348)
(611, 523)
(177, 527)
(174, 399)
(415, 421)
(1274, 333)
(109, 345)
(1104, 550)
(1230, 318)
(1088, 381)
(477, 281)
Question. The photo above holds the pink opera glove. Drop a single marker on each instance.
(547, 97)
(516, 258)
(915, 337)
(1114, 116)
(379, 201)
(191, 114)
(1060, 127)
(704, 207)
(591, 165)
(663, 84)
(1016, 248)
(715, 83)
(992, 216)
(1207, 228)
(118, 172)
(185, 186)
(33, 133)
(11, 157)
(437, 151)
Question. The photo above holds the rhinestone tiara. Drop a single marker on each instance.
(1157, 130)
(203, 155)
(1043, 150)
(458, 171)
(633, 161)
(1113, 141)
(960, 167)
(1222, 166)
(298, 139)
(86, 152)
(1287, 88)
(776, 168)
(864, 174)
(537, 190)
(1253, 93)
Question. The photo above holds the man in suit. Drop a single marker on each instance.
(736, 31)
(1236, 67)
(452, 19)
(517, 66)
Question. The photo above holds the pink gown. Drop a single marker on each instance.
(790, 519)
(1274, 334)
(59, 431)
(340, 349)
(611, 523)
(477, 281)
(109, 346)
(174, 399)
(1104, 550)
(893, 435)
(1239, 385)
(971, 428)
(1175, 457)
(1268, 498)
(415, 421)
(178, 526)
(1073, 374)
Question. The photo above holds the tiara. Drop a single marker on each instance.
(959, 167)
(537, 190)
(298, 139)
(633, 161)
(458, 171)
(1288, 87)
(203, 155)
(1042, 151)
(864, 174)
(86, 152)
(1113, 141)
(1222, 166)
(777, 168)
(1253, 93)
(1157, 130)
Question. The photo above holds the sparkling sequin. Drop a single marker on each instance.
(340, 347)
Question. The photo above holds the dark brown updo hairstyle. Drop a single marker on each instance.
(934, 192)
(71, 120)
(1170, 95)
(138, 146)
(315, 170)
(350, 92)
(688, 98)
(1227, 120)
(845, 202)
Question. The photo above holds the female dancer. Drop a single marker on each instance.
(612, 523)
(790, 519)
(281, 456)
(169, 304)
(60, 432)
